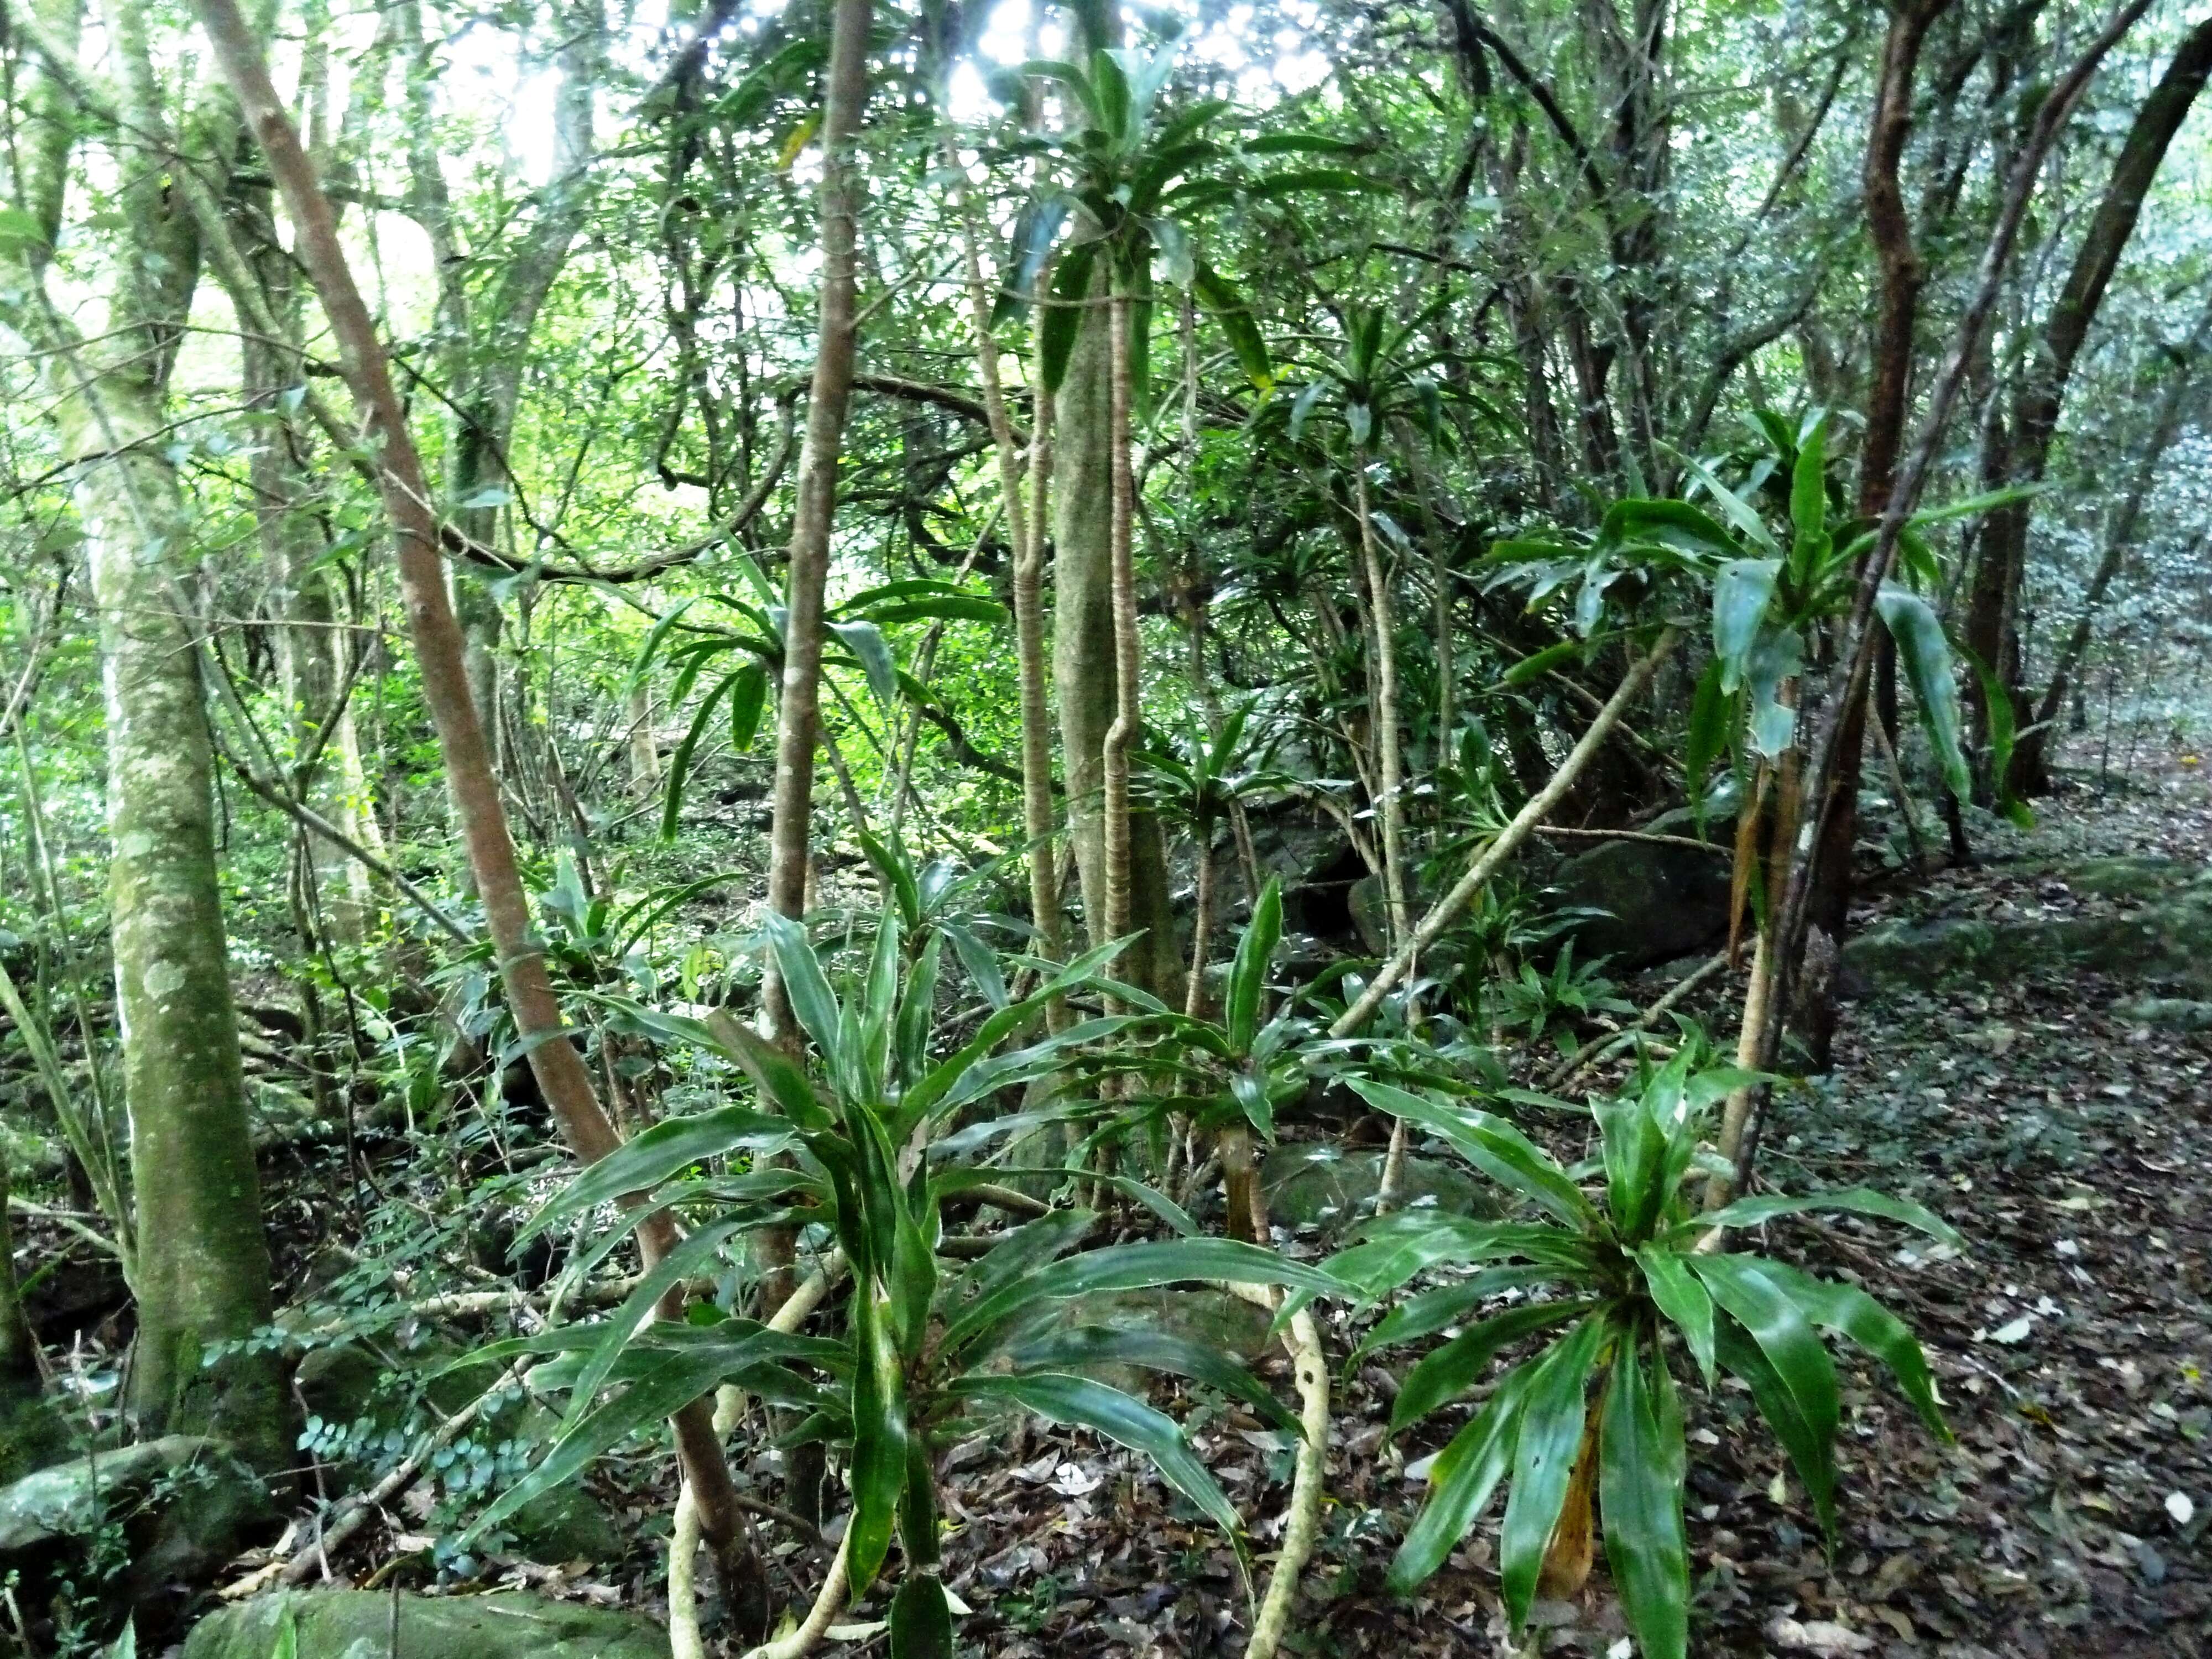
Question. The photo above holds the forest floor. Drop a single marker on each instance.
(2039, 1113)
(2036, 1102)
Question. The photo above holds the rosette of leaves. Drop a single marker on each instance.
(929, 1342)
(1608, 1259)
(1132, 173)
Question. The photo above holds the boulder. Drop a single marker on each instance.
(68, 1499)
(1660, 901)
(2167, 944)
(184, 1507)
(376, 1625)
(2167, 1013)
(1325, 1186)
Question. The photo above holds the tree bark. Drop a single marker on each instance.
(202, 1275)
(2120, 537)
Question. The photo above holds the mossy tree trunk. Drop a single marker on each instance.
(203, 1268)
(1082, 658)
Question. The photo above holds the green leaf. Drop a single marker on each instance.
(1230, 309)
(1674, 525)
(1462, 1480)
(1552, 1422)
(921, 1620)
(691, 1256)
(1793, 1353)
(1537, 664)
(1248, 972)
(1741, 593)
(1136, 1267)
(1491, 1144)
(774, 1073)
(1128, 1422)
(1087, 1346)
(1677, 1293)
(873, 653)
(1063, 316)
(1926, 657)
(748, 697)
(1407, 1242)
(1735, 509)
(1448, 1372)
(1997, 704)
(1813, 1457)
(643, 1161)
(880, 1436)
(1849, 1200)
(1432, 1310)
(1711, 724)
(679, 764)
(805, 985)
(1808, 496)
(1851, 1312)
(673, 1382)
(1641, 1466)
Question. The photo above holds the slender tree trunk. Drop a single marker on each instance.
(1902, 276)
(1025, 521)
(1128, 662)
(798, 710)
(558, 1064)
(201, 1277)
(2039, 399)
(313, 647)
(2120, 537)
(1390, 758)
(204, 1260)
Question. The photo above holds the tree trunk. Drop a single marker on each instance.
(1390, 758)
(2040, 395)
(203, 1260)
(798, 710)
(558, 1066)
(2119, 537)
(1085, 675)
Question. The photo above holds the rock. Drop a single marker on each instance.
(1315, 1185)
(69, 1500)
(1204, 1314)
(2167, 1013)
(2169, 945)
(186, 1507)
(1660, 901)
(360, 1625)
(33, 1434)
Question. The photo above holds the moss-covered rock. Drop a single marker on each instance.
(1323, 1186)
(372, 1625)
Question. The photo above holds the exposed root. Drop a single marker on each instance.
(684, 1641)
(807, 1637)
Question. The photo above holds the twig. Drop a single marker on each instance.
(1446, 910)
(1635, 834)
(1577, 1062)
(683, 1638)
